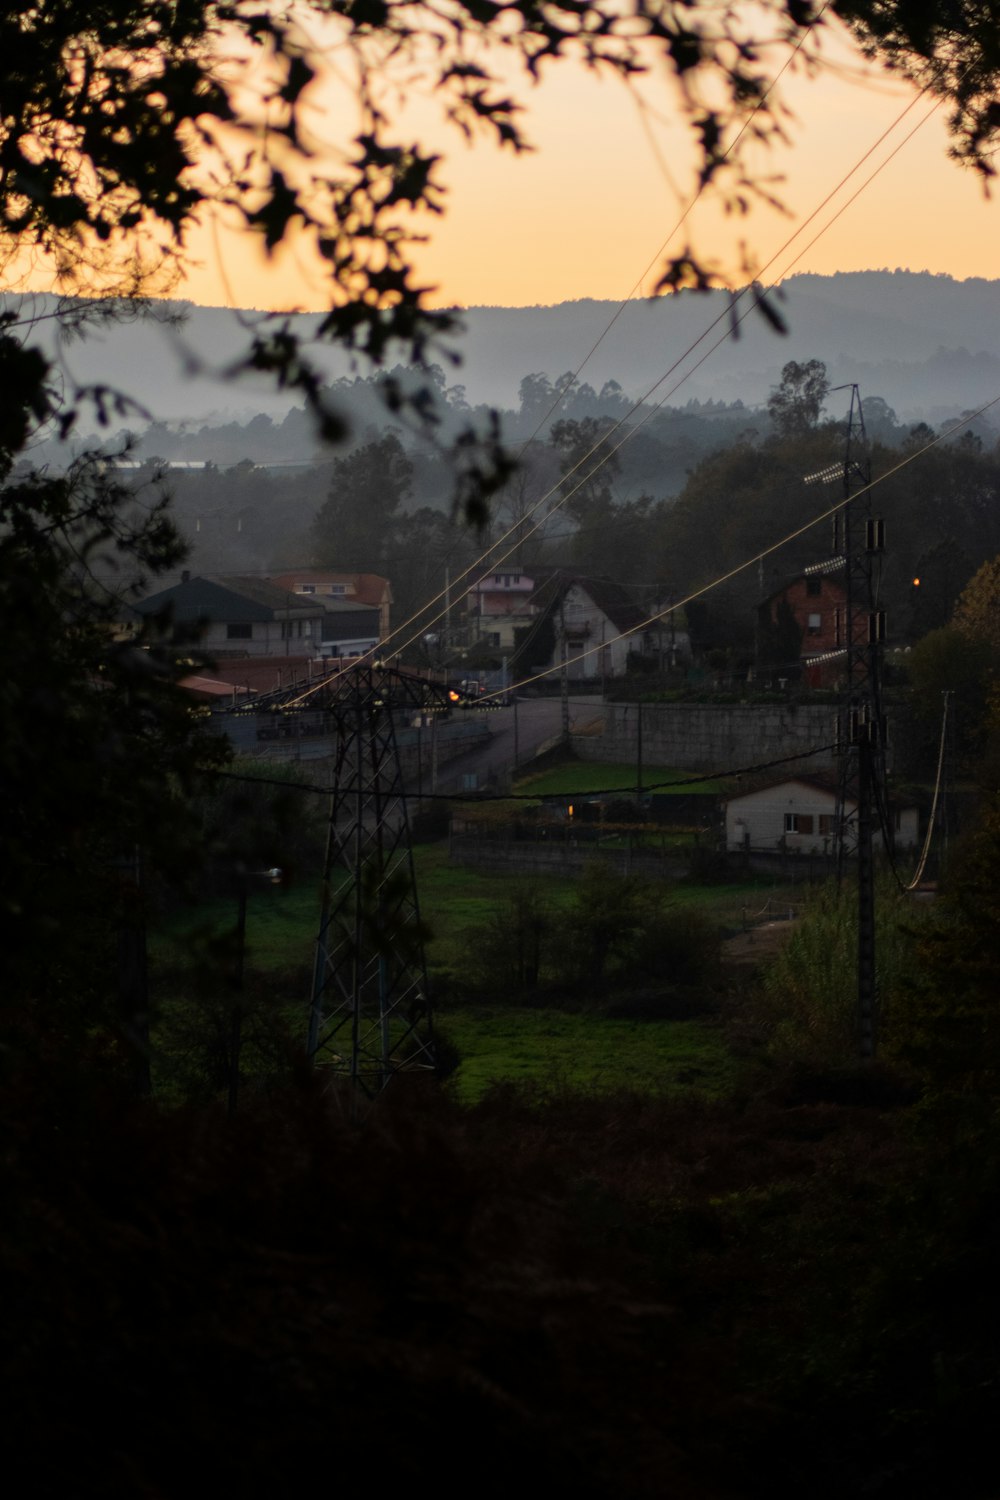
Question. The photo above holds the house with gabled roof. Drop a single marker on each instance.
(592, 623)
(237, 616)
(799, 814)
(368, 589)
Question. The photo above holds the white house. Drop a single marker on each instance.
(800, 814)
(590, 623)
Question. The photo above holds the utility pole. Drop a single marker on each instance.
(867, 994)
(564, 672)
(369, 1012)
(447, 610)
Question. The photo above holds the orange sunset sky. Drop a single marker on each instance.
(588, 211)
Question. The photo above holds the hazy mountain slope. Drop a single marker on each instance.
(887, 324)
(927, 344)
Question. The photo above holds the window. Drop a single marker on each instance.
(798, 822)
(815, 621)
(337, 588)
(814, 586)
(827, 825)
(838, 625)
(239, 632)
(306, 588)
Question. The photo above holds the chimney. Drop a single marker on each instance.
(186, 576)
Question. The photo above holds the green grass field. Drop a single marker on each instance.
(578, 777)
(545, 1048)
(553, 1050)
(454, 901)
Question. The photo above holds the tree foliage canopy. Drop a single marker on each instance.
(794, 406)
(355, 528)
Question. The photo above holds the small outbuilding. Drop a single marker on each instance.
(800, 814)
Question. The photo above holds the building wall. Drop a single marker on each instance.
(709, 736)
(816, 614)
(266, 638)
(759, 820)
(587, 627)
(498, 631)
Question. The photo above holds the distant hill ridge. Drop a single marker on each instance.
(928, 344)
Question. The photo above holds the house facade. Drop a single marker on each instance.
(498, 604)
(237, 617)
(800, 814)
(817, 603)
(590, 623)
(349, 629)
(368, 589)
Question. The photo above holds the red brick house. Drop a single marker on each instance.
(816, 602)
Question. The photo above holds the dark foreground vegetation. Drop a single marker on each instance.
(786, 1287)
(791, 1289)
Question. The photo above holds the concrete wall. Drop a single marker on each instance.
(711, 736)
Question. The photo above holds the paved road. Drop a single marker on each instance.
(528, 724)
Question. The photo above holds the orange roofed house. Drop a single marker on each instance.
(349, 588)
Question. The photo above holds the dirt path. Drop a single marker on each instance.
(748, 949)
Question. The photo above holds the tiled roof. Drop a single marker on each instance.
(365, 588)
(234, 600)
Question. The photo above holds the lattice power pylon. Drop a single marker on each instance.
(859, 547)
(370, 1013)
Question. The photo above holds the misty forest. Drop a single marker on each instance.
(499, 934)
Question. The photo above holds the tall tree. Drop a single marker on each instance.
(355, 530)
(100, 749)
(794, 406)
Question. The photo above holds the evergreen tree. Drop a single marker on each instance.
(355, 530)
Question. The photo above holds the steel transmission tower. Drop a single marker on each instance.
(370, 1013)
(859, 548)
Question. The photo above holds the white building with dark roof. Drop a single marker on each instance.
(799, 813)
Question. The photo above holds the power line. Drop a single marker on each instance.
(734, 321)
(480, 797)
(765, 552)
(603, 439)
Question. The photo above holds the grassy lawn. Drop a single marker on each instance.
(454, 900)
(546, 1048)
(578, 777)
(555, 1050)
(280, 931)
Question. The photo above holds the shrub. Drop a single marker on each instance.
(511, 952)
(807, 996)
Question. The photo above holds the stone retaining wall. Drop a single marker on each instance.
(712, 736)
